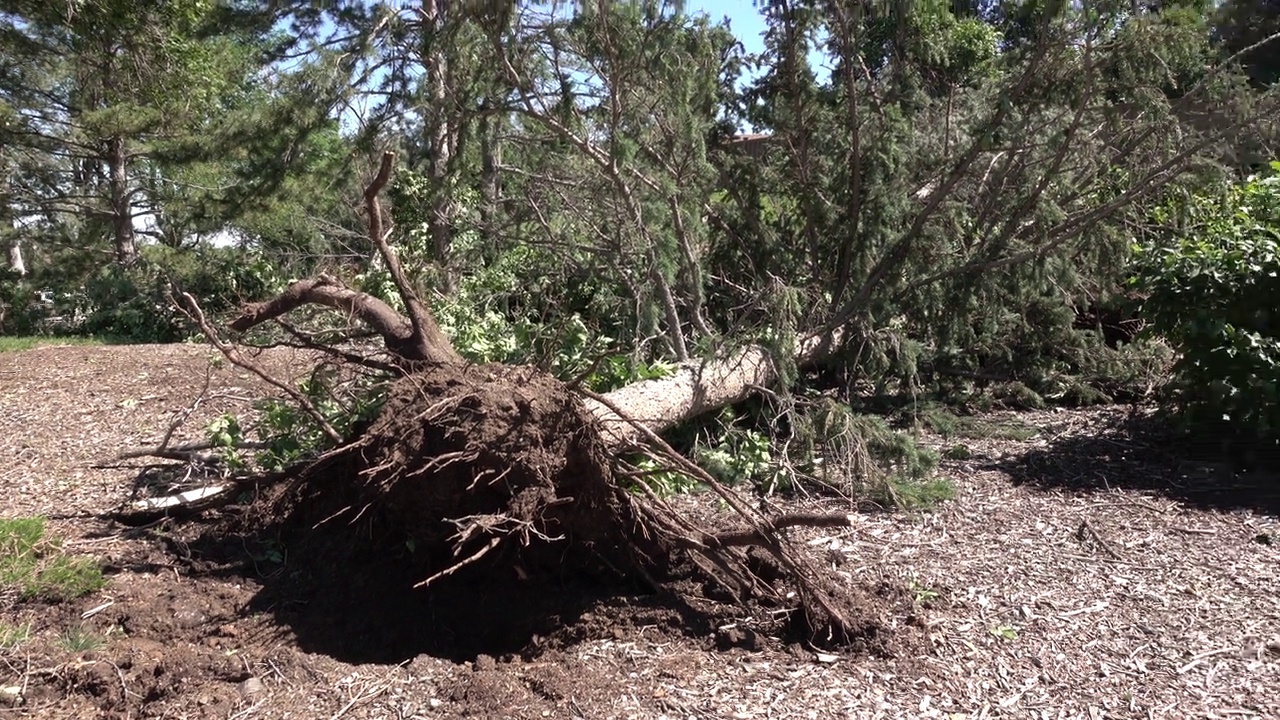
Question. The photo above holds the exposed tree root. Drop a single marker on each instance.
(502, 469)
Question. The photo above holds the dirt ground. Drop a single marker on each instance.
(1091, 571)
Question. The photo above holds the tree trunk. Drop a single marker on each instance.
(697, 387)
(441, 137)
(123, 237)
(16, 263)
(490, 188)
(8, 221)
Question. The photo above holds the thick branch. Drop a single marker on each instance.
(395, 329)
(429, 342)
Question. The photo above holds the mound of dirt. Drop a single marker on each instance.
(501, 464)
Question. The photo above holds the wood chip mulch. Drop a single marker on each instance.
(1064, 580)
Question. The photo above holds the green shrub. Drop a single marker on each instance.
(21, 309)
(131, 304)
(1211, 292)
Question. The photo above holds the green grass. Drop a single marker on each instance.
(921, 493)
(36, 567)
(11, 636)
(14, 343)
(950, 425)
(81, 639)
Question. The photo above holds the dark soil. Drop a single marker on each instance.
(462, 458)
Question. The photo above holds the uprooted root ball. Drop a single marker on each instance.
(492, 461)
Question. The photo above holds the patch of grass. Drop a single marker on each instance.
(15, 343)
(11, 636)
(948, 424)
(37, 568)
(80, 639)
(920, 493)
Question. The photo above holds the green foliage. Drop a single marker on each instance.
(11, 636)
(948, 194)
(78, 638)
(131, 303)
(289, 435)
(661, 480)
(511, 304)
(37, 568)
(743, 456)
(21, 309)
(1240, 25)
(1211, 290)
(865, 458)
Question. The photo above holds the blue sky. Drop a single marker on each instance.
(745, 21)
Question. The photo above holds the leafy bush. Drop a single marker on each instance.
(20, 305)
(1211, 292)
(285, 434)
(130, 303)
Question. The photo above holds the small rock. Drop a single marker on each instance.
(11, 695)
(485, 662)
(739, 637)
(250, 688)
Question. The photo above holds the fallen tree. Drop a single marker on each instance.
(480, 466)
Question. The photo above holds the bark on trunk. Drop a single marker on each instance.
(441, 132)
(848, 27)
(490, 159)
(121, 213)
(697, 387)
(8, 224)
(16, 263)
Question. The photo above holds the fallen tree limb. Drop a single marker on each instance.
(749, 536)
(188, 452)
(695, 388)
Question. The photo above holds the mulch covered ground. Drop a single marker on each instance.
(1086, 572)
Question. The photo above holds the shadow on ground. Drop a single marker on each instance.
(352, 599)
(1140, 451)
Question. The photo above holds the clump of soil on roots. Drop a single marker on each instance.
(502, 461)
(493, 484)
